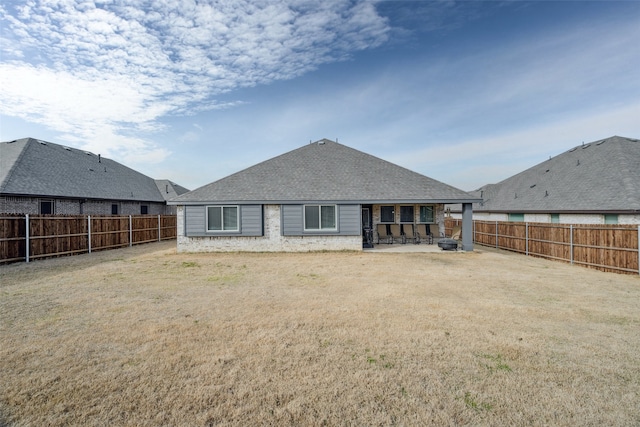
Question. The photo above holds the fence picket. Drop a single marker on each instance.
(27, 237)
(614, 248)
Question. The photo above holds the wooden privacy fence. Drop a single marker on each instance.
(27, 237)
(607, 247)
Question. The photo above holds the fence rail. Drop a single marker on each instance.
(28, 237)
(613, 248)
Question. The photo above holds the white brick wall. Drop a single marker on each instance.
(272, 241)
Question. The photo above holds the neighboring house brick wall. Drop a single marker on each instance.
(19, 205)
(31, 206)
(546, 218)
(629, 219)
(272, 241)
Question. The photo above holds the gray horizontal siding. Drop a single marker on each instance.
(293, 221)
(194, 221)
(350, 223)
(251, 221)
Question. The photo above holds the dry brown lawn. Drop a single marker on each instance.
(145, 336)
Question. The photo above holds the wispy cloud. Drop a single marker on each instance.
(101, 72)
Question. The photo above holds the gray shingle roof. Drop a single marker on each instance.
(325, 171)
(30, 167)
(599, 176)
(169, 189)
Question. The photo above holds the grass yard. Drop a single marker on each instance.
(145, 336)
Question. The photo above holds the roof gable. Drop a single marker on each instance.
(170, 189)
(38, 168)
(599, 176)
(325, 171)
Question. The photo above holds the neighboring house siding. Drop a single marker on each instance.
(250, 222)
(272, 239)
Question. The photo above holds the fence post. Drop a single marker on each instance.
(89, 231)
(571, 242)
(130, 231)
(159, 239)
(496, 234)
(26, 238)
(526, 238)
(638, 249)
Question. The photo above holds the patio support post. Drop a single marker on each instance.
(467, 227)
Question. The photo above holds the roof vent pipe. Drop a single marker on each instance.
(99, 159)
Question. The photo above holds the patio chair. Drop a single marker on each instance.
(396, 235)
(456, 233)
(383, 233)
(408, 233)
(424, 232)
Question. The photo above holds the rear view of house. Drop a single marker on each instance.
(321, 196)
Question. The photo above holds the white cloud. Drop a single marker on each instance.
(102, 70)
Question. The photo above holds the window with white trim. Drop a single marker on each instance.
(222, 218)
(320, 217)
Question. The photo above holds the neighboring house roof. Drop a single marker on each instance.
(169, 189)
(325, 171)
(31, 167)
(600, 176)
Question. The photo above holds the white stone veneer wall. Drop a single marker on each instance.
(272, 241)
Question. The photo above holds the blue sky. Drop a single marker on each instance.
(468, 93)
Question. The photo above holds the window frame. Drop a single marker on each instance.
(516, 217)
(115, 208)
(51, 204)
(144, 209)
(413, 214)
(320, 229)
(433, 214)
(393, 212)
(222, 224)
(610, 218)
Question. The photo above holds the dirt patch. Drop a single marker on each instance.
(145, 336)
